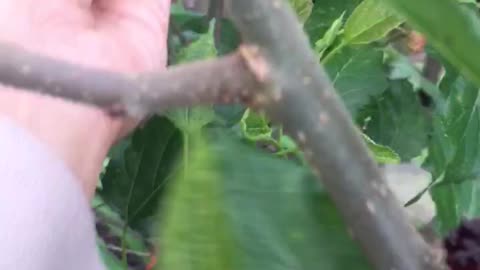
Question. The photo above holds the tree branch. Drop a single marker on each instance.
(278, 74)
(304, 101)
(224, 80)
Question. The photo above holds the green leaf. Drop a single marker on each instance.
(456, 201)
(185, 20)
(369, 22)
(288, 144)
(455, 148)
(239, 208)
(401, 67)
(457, 39)
(324, 13)
(190, 120)
(330, 36)
(455, 151)
(202, 48)
(227, 38)
(358, 75)
(119, 246)
(381, 153)
(195, 230)
(137, 174)
(255, 126)
(229, 114)
(396, 120)
(111, 228)
(303, 8)
(111, 261)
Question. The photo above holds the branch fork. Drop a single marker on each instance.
(273, 73)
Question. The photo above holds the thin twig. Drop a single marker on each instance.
(223, 80)
(129, 251)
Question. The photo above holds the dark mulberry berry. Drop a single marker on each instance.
(463, 246)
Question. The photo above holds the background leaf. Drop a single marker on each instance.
(324, 13)
(369, 22)
(227, 37)
(396, 120)
(190, 120)
(457, 39)
(185, 20)
(455, 151)
(119, 246)
(137, 174)
(358, 75)
(202, 48)
(303, 8)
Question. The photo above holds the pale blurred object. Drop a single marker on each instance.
(407, 181)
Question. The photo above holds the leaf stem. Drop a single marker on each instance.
(124, 245)
(335, 50)
(186, 149)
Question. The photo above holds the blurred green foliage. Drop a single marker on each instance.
(221, 187)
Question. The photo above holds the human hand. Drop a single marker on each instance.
(119, 35)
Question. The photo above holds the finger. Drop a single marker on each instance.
(140, 24)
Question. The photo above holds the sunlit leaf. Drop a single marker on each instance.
(327, 40)
(457, 39)
(195, 232)
(192, 119)
(381, 153)
(370, 21)
(255, 126)
(202, 48)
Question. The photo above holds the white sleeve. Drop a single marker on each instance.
(45, 220)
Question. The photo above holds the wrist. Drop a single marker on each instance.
(78, 135)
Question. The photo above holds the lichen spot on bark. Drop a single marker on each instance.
(255, 62)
